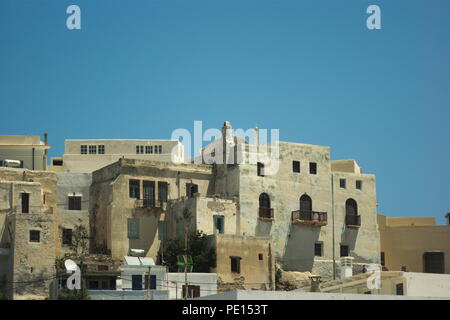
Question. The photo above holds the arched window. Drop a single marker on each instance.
(305, 203)
(264, 200)
(351, 207)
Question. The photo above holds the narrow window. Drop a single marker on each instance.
(160, 149)
(382, 259)
(147, 149)
(137, 149)
(150, 284)
(342, 183)
(25, 202)
(358, 184)
(318, 246)
(162, 230)
(219, 224)
(101, 149)
(399, 289)
(260, 257)
(67, 236)
(260, 169)
(149, 193)
(141, 149)
(83, 149)
(1, 163)
(74, 203)
(151, 149)
(313, 168)
(296, 166)
(35, 236)
(191, 291)
(235, 264)
(133, 229)
(134, 189)
(344, 251)
(92, 149)
(162, 191)
(136, 282)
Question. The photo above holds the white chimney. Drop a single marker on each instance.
(346, 267)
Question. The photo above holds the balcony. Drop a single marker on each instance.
(266, 214)
(313, 218)
(352, 221)
(150, 203)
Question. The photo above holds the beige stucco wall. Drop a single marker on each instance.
(404, 241)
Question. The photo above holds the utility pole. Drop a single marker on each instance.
(148, 284)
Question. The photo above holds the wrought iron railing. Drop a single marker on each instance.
(266, 213)
(352, 221)
(310, 217)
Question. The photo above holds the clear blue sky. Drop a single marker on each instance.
(140, 69)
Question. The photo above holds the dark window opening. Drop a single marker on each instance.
(191, 292)
(67, 236)
(382, 259)
(136, 282)
(149, 193)
(162, 191)
(74, 203)
(134, 189)
(358, 184)
(83, 149)
(57, 162)
(368, 292)
(260, 256)
(344, 251)
(235, 264)
(305, 203)
(101, 149)
(35, 236)
(191, 189)
(93, 285)
(92, 149)
(152, 282)
(260, 169)
(399, 289)
(25, 202)
(219, 224)
(433, 262)
(265, 211)
(318, 246)
(342, 183)
(313, 168)
(296, 166)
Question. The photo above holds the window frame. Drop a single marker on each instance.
(32, 239)
(74, 203)
(296, 166)
(343, 183)
(236, 264)
(133, 229)
(313, 168)
(320, 244)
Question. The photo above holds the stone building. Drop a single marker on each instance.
(414, 244)
(23, 152)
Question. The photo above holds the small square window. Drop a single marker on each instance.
(74, 203)
(295, 166)
(101, 149)
(318, 249)
(358, 184)
(235, 264)
(260, 256)
(342, 183)
(92, 149)
(83, 149)
(35, 236)
(313, 168)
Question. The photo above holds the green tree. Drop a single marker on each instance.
(79, 240)
(203, 255)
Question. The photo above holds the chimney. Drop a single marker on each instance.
(346, 267)
(46, 138)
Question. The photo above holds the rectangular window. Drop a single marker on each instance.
(382, 259)
(191, 189)
(358, 184)
(101, 149)
(136, 282)
(1, 163)
(260, 256)
(399, 289)
(219, 224)
(342, 183)
(149, 193)
(67, 236)
(151, 149)
(134, 189)
(74, 203)
(433, 262)
(152, 284)
(25, 202)
(318, 249)
(191, 292)
(235, 264)
(133, 229)
(92, 149)
(35, 236)
(57, 162)
(140, 149)
(260, 169)
(160, 149)
(83, 149)
(344, 251)
(162, 191)
(313, 168)
(296, 166)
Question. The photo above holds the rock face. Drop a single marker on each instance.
(291, 280)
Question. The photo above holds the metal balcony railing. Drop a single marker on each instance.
(353, 221)
(266, 213)
(309, 217)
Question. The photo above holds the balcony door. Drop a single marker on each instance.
(149, 193)
(305, 203)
